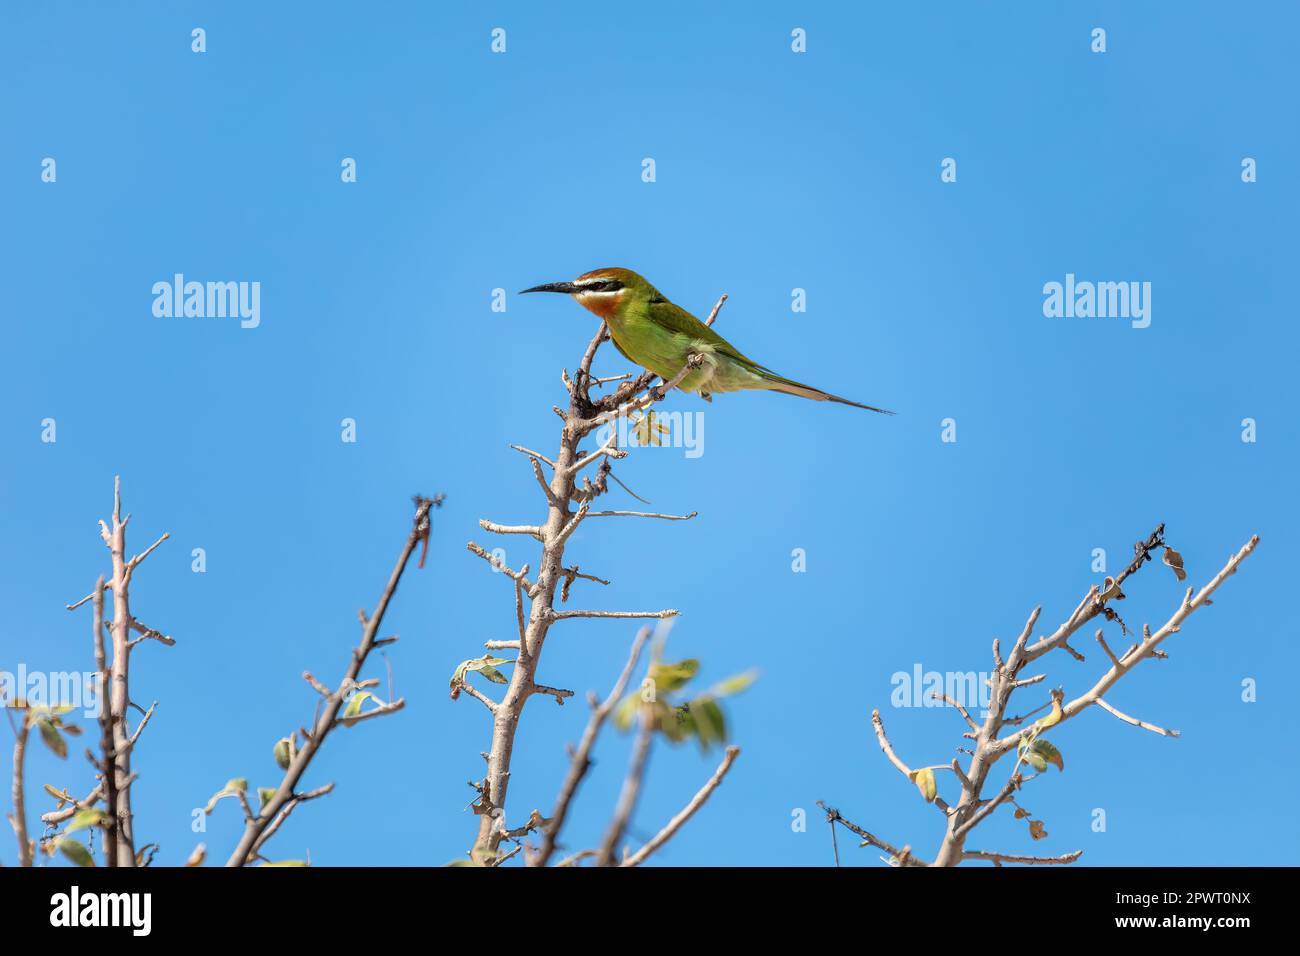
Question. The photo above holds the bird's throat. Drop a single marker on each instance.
(603, 305)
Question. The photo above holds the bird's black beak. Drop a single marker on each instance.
(566, 287)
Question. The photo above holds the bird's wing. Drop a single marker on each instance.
(676, 319)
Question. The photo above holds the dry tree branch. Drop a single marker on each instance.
(116, 738)
(904, 856)
(991, 742)
(585, 414)
(260, 826)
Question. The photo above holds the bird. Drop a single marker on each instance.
(665, 339)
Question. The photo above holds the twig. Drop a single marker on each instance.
(675, 824)
(631, 789)
(1135, 722)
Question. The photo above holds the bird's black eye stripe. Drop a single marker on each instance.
(604, 285)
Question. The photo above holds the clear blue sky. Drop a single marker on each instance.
(775, 171)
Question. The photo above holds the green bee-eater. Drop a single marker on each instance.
(657, 335)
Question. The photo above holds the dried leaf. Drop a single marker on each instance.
(1052, 718)
(1036, 829)
(924, 780)
(143, 857)
(198, 856)
(283, 753)
(1175, 561)
(356, 700)
(649, 430)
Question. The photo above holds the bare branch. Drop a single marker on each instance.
(675, 824)
(713, 313)
(528, 529)
(904, 856)
(1135, 722)
(566, 615)
(1000, 858)
(641, 514)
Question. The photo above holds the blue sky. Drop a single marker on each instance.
(774, 171)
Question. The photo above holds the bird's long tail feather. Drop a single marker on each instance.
(787, 387)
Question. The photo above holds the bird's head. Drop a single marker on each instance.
(603, 291)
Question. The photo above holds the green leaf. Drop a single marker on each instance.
(924, 780)
(283, 753)
(265, 794)
(675, 723)
(1035, 760)
(75, 851)
(734, 684)
(237, 783)
(89, 817)
(53, 739)
(710, 723)
(485, 665)
(1047, 750)
(669, 677)
(626, 711)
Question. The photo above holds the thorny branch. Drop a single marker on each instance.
(565, 487)
(991, 739)
(117, 740)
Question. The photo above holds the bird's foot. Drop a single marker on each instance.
(707, 396)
